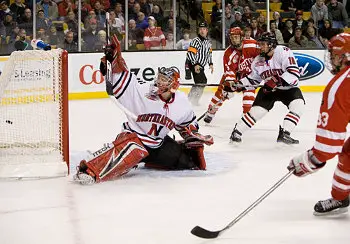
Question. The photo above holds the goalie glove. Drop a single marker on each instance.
(305, 164)
(114, 56)
(191, 135)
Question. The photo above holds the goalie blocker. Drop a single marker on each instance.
(118, 158)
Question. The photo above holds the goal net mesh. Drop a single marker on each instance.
(32, 115)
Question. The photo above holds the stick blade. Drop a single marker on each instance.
(203, 233)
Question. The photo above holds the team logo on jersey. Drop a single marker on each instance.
(309, 66)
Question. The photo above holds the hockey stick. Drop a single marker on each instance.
(108, 75)
(237, 86)
(240, 86)
(202, 116)
(192, 84)
(207, 234)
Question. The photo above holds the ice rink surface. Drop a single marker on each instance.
(157, 207)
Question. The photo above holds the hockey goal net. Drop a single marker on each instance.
(34, 115)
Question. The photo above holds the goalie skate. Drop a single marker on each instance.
(331, 207)
(84, 179)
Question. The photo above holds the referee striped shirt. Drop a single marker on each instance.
(200, 52)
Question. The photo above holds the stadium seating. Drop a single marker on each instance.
(140, 46)
(207, 9)
(275, 7)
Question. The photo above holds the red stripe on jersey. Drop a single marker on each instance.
(122, 84)
(329, 141)
(323, 156)
(294, 71)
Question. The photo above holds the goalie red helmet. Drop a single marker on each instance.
(168, 79)
(338, 54)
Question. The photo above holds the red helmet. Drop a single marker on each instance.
(338, 45)
(236, 31)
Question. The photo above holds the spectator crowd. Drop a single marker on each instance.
(326, 19)
(151, 24)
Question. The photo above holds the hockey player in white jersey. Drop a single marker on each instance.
(152, 112)
(277, 68)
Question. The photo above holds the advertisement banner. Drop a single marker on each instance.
(86, 81)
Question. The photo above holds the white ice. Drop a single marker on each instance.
(162, 207)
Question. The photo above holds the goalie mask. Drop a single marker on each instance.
(167, 80)
(338, 54)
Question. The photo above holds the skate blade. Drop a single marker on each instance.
(281, 144)
(332, 213)
(235, 143)
(208, 124)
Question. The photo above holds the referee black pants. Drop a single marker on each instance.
(196, 92)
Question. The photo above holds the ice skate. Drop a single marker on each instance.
(208, 118)
(331, 207)
(235, 136)
(284, 136)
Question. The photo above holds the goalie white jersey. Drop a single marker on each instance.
(155, 118)
(282, 64)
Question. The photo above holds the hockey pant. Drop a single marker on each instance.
(264, 102)
(176, 155)
(196, 92)
(220, 96)
(115, 159)
(341, 177)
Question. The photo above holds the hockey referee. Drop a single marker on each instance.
(199, 54)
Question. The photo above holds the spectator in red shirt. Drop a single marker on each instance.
(65, 7)
(154, 38)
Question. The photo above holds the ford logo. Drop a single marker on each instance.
(309, 66)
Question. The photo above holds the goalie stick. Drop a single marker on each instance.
(207, 234)
(109, 76)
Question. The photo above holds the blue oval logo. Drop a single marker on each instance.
(309, 66)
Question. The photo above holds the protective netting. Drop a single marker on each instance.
(31, 115)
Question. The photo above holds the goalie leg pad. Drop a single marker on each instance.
(115, 159)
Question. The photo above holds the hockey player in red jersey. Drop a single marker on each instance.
(237, 60)
(152, 112)
(331, 139)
